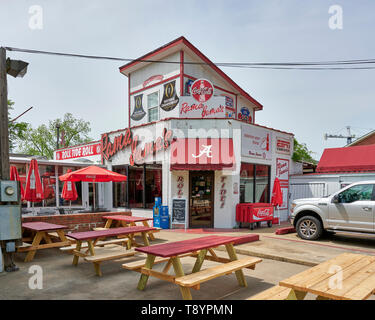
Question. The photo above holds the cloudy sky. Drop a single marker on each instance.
(306, 103)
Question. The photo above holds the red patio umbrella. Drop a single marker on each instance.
(277, 196)
(33, 190)
(15, 177)
(69, 191)
(93, 174)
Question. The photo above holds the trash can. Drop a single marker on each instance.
(164, 222)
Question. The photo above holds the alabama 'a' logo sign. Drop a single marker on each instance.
(138, 112)
(202, 90)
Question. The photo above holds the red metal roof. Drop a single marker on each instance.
(348, 159)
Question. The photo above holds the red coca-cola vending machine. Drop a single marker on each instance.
(255, 213)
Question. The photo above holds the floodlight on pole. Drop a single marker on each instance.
(16, 68)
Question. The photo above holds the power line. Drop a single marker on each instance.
(322, 65)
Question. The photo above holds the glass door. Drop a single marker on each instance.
(201, 199)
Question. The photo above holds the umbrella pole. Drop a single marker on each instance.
(93, 188)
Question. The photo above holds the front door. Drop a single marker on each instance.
(201, 199)
(355, 210)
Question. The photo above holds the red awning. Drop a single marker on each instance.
(202, 154)
(348, 159)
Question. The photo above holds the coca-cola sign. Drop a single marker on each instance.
(202, 90)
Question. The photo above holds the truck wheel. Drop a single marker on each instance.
(309, 228)
(269, 224)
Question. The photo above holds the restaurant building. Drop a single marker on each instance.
(191, 139)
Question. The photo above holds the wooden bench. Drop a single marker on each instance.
(195, 279)
(274, 293)
(106, 254)
(70, 249)
(138, 265)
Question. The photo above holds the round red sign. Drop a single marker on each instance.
(202, 90)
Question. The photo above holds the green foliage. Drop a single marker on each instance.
(42, 140)
(17, 130)
(301, 153)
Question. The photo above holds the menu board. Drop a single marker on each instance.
(179, 209)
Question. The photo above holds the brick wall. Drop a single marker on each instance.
(77, 222)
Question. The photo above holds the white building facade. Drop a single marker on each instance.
(191, 140)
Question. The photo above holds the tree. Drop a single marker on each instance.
(17, 130)
(301, 153)
(42, 140)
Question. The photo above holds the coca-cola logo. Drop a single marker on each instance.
(202, 90)
(263, 212)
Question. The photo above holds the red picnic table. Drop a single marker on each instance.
(41, 231)
(98, 255)
(199, 247)
(126, 221)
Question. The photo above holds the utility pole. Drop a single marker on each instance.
(348, 138)
(10, 209)
(4, 134)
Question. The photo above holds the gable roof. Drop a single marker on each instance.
(347, 159)
(182, 43)
(361, 139)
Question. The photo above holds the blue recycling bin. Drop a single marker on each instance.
(164, 211)
(164, 222)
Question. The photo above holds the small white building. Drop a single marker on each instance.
(192, 140)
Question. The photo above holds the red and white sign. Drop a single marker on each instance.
(83, 151)
(282, 146)
(202, 90)
(256, 142)
(215, 108)
(262, 214)
(282, 169)
(282, 172)
(152, 79)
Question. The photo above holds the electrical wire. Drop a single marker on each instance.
(356, 64)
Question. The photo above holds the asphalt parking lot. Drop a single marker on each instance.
(283, 256)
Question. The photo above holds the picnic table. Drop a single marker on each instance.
(126, 221)
(199, 247)
(97, 255)
(41, 231)
(346, 277)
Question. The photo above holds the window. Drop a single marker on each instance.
(254, 183)
(361, 192)
(153, 106)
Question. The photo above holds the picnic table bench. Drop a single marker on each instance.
(98, 255)
(199, 247)
(346, 277)
(125, 221)
(42, 231)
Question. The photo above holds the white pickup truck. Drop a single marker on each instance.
(349, 209)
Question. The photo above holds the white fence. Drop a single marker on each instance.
(306, 190)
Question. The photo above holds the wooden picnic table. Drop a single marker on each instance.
(346, 277)
(125, 221)
(92, 238)
(199, 247)
(41, 231)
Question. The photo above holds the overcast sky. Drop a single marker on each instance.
(306, 103)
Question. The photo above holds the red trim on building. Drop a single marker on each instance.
(181, 73)
(184, 41)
